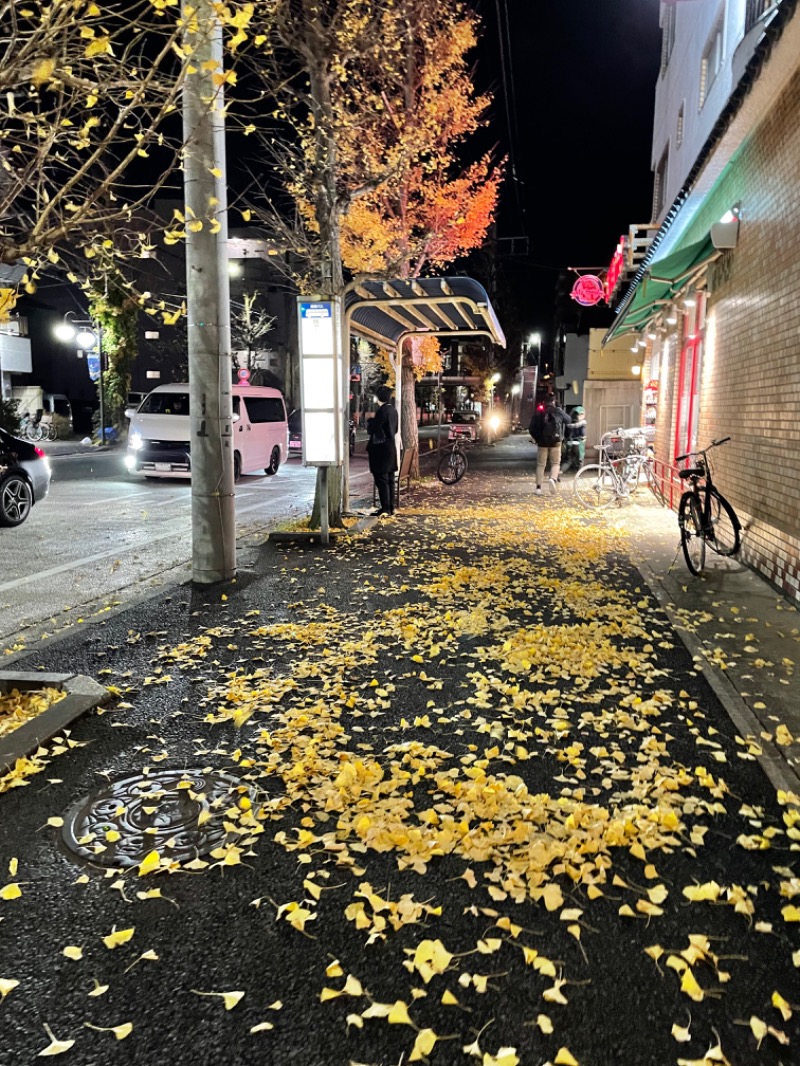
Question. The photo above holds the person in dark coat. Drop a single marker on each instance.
(382, 449)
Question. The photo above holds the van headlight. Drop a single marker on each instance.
(135, 441)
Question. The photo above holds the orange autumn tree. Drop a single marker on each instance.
(431, 210)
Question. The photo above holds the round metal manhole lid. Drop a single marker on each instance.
(121, 823)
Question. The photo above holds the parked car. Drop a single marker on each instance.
(24, 478)
(296, 434)
(159, 432)
(464, 424)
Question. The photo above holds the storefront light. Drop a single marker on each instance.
(689, 301)
(652, 335)
(636, 370)
(672, 319)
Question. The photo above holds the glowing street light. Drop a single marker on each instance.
(88, 337)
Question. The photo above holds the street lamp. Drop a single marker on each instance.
(536, 338)
(87, 335)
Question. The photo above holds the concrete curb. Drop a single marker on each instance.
(780, 774)
(82, 695)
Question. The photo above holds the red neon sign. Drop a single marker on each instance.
(588, 290)
(615, 269)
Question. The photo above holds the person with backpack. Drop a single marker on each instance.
(548, 428)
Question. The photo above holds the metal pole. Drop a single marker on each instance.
(208, 302)
(99, 334)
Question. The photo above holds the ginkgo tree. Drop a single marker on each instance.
(430, 210)
(331, 71)
(85, 131)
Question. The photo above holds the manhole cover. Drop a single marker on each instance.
(120, 824)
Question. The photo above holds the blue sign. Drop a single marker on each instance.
(93, 365)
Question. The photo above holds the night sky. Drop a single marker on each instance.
(581, 84)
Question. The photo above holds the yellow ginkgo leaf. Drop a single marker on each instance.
(98, 990)
(55, 1047)
(683, 1036)
(449, 999)
(398, 1015)
(780, 1004)
(119, 1031)
(565, 1058)
(690, 986)
(150, 862)
(12, 891)
(230, 999)
(73, 952)
(423, 1045)
(544, 1024)
(506, 1056)
(7, 984)
(43, 71)
(99, 46)
(553, 897)
(117, 937)
(262, 1027)
(790, 913)
(758, 1029)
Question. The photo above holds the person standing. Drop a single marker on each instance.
(548, 428)
(382, 449)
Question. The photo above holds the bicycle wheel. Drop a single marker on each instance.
(693, 541)
(725, 533)
(52, 432)
(452, 467)
(594, 486)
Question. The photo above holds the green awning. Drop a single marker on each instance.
(662, 280)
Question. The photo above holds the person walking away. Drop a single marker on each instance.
(382, 450)
(548, 428)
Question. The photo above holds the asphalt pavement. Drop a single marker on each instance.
(485, 800)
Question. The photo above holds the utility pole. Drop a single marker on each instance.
(208, 301)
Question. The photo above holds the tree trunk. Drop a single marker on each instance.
(408, 416)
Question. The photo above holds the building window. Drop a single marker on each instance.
(667, 34)
(679, 126)
(659, 186)
(711, 63)
(691, 358)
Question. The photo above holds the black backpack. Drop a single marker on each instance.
(550, 429)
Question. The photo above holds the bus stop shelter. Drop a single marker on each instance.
(388, 312)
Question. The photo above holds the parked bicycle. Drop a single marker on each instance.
(625, 463)
(453, 464)
(705, 517)
(31, 426)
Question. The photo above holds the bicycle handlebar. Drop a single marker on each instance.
(702, 451)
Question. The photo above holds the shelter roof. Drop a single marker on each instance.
(388, 311)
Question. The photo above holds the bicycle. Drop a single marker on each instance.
(31, 426)
(612, 480)
(704, 515)
(453, 464)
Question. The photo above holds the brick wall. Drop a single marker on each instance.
(750, 385)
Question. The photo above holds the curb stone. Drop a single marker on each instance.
(772, 762)
(82, 695)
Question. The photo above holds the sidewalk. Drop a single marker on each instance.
(444, 792)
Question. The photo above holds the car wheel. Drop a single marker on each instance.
(274, 462)
(237, 466)
(16, 500)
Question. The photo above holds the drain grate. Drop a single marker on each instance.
(179, 813)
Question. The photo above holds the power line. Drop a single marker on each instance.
(509, 95)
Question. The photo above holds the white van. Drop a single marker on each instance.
(158, 436)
